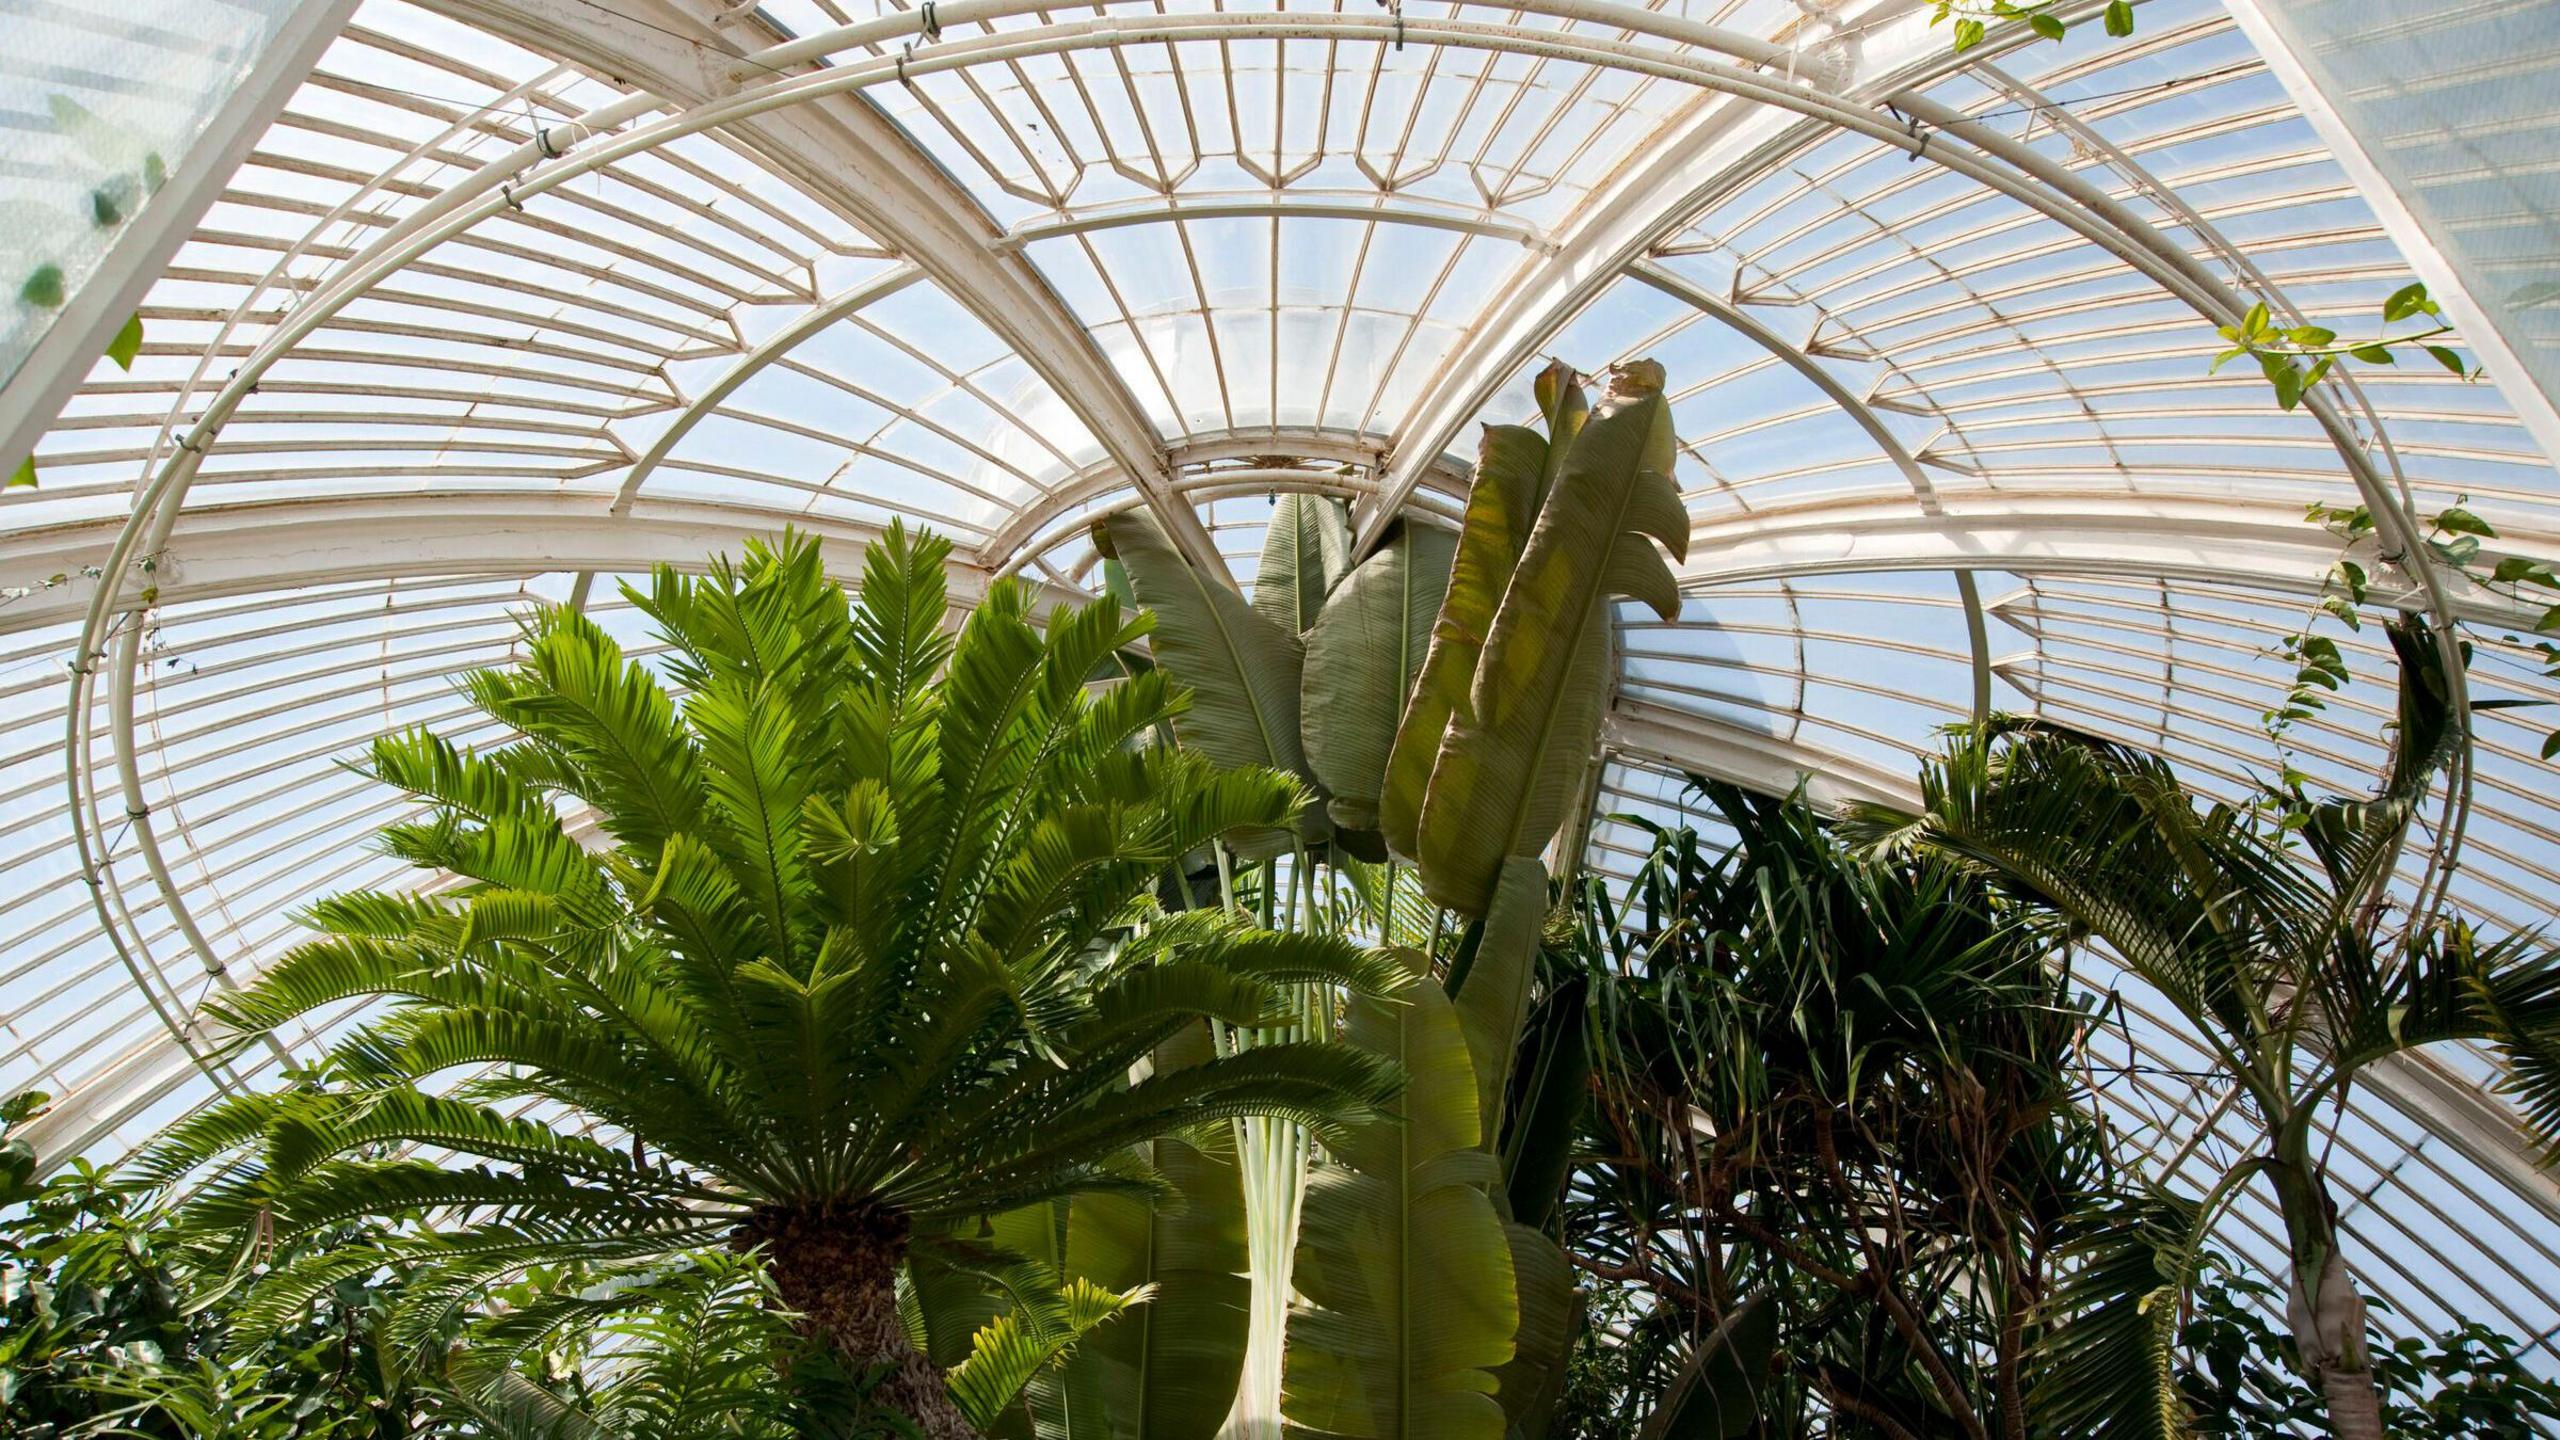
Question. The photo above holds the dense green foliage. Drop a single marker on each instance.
(862, 950)
(1965, 1252)
(999, 1040)
(2244, 1380)
(2271, 931)
(1840, 1091)
(103, 1331)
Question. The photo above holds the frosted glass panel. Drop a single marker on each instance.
(2455, 105)
(102, 101)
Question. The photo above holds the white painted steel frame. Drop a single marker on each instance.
(218, 551)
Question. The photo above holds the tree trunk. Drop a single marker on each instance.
(838, 1269)
(2328, 1328)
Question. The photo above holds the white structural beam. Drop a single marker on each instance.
(853, 156)
(1723, 144)
(1021, 533)
(1793, 356)
(811, 323)
(2274, 39)
(1755, 760)
(1419, 211)
(246, 549)
(2195, 539)
(2421, 1088)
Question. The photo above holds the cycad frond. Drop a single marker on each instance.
(869, 939)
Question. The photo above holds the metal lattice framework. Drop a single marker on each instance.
(514, 297)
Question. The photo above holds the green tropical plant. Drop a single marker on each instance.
(1835, 1141)
(1404, 1319)
(1385, 683)
(861, 948)
(105, 1330)
(2242, 1381)
(1506, 716)
(2270, 931)
(664, 1349)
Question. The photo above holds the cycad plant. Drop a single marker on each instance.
(815, 935)
(2275, 933)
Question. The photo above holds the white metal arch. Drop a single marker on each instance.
(227, 547)
(454, 210)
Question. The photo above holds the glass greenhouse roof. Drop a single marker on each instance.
(513, 298)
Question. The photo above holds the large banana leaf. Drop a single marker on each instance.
(1362, 658)
(1548, 1095)
(1515, 468)
(1242, 669)
(1168, 1370)
(1532, 1380)
(1304, 551)
(1513, 761)
(1404, 1264)
(1492, 992)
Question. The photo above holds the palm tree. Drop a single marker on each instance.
(858, 950)
(1834, 1146)
(2282, 958)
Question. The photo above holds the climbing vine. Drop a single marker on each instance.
(1973, 18)
(2295, 358)
(2454, 537)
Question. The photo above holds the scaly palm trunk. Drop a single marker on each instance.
(2326, 1311)
(838, 1269)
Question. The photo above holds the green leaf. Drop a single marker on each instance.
(1010, 1353)
(43, 288)
(1530, 1384)
(24, 475)
(1492, 992)
(2111, 1366)
(1514, 468)
(2288, 383)
(128, 342)
(1305, 549)
(1242, 668)
(1719, 1389)
(2457, 521)
(2373, 354)
(1513, 762)
(1968, 35)
(2446, 358)
(1403, 1263)
(1363, 657)
(2046, 25)
(1168, 1371)
(2551, 745)
(2410, 299)
(1550, 1090)
(2119, 18)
